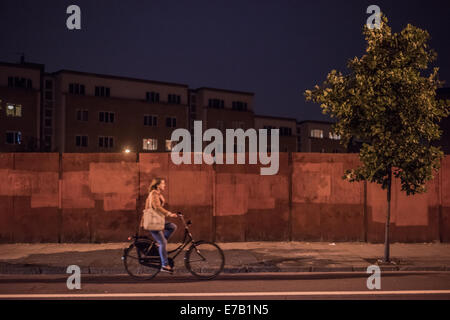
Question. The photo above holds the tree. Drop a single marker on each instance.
(387, 102)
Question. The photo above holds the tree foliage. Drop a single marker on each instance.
(389, 103)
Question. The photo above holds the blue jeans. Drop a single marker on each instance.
(162, 237)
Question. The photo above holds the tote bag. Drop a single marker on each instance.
(153, 220)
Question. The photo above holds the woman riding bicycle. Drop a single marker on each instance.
(156, 200)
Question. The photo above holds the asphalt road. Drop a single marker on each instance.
(309, 286)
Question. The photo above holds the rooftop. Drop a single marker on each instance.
(119, 78)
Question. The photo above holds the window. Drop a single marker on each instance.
(102, 91)
(17, 82)
(76, 88)
(150, 144)
(48, 112)
(152, 96)
(13, 137)
(48, 84)
(216, 103)
(170, 144)
(82, 115)
(285, 131)
(316, 133)
(48, 122)
(106, 116)
(174, 98)
(106, 142)
(151, 121)
(81, 141)
(171, 122)
(334, 136)
(193, 98)
(13, 110)
(48, 95)
(239, 106)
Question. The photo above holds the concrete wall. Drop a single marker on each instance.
(98, 197)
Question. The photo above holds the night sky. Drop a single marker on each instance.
(276, 49)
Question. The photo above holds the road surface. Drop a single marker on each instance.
(270, 286)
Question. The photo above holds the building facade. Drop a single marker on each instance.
(318, 137)
(286, 127)
(100, 113)
(72, 111)
(20, 107)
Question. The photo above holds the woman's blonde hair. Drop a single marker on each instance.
(155, 183)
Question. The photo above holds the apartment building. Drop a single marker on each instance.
(221, 109)
(318, 137)
(287, 131)
(20, 107)
(73, 111)
(102, 113)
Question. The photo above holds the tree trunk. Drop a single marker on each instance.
(388, 219)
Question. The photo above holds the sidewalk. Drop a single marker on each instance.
(239, 257)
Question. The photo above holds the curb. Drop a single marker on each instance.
(42, 270)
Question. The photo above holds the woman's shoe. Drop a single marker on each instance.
(168, 269)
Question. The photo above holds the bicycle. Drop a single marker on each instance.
(203, 259)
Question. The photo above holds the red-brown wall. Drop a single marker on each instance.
(98, 197)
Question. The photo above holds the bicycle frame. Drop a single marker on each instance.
(187, 239)
(185, 242)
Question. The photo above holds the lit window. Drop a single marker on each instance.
(334, 136)
(14, 110)
(150, 144)
(169, 145)
(317, 133)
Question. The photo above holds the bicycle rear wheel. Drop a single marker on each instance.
(140, 266)
(205, 260)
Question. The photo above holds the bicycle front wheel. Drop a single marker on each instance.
(205, 260)
(138, 265)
